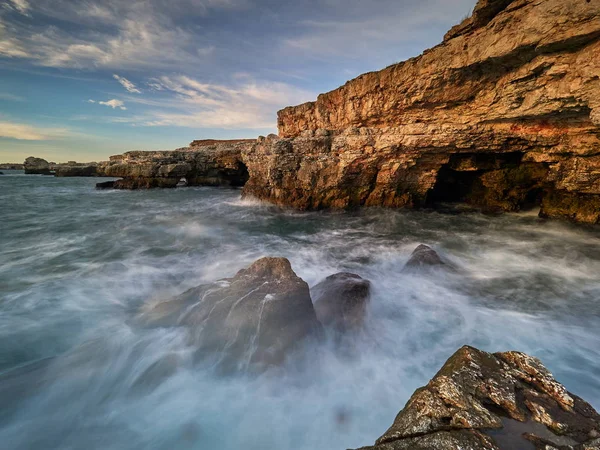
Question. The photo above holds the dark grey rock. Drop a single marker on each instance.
(341, 301)
(251, 321)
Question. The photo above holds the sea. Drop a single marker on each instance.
(77, 265)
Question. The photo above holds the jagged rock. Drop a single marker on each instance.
(494, 401)
(36, 166)
(204, 163)
(504, 114)
(423, 257)
(250, 321)
(341, 301)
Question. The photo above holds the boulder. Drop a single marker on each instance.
(36, 166)
(483, 401)
(423, 257)
(75, 170)
(251, 321)
(341, 301)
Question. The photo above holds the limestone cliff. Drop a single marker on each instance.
(504, 114)
(203, 163)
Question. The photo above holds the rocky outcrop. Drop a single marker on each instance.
(36, 166)
(341, 301)
(76, 170)
(248, 322)
(504, 114)
(203, 163)
(423, 257)
(495, 401)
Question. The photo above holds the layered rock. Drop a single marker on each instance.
(495, 401)
(36, 166)
(73, 169)
(504, 114)
(250, 321)
(203, 163)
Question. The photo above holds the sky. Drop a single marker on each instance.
(85, 79)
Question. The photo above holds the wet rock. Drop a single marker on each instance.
(341, 301)
(423, 257)
(36, 166)
(494, 401)
(105, 185)
(250, 321)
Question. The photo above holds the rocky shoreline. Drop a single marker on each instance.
(502, 115)
(261, 317)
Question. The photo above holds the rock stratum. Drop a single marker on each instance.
(203, 163)
(483, 401)
(503, 114)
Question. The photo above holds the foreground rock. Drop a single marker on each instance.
(248, 322)
(36, 166)
(495, 401)
(203, 163)
(341, 301)
(504, 115)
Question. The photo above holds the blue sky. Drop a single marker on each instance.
(82, 79)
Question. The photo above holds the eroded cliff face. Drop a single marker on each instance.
(504, 114)
(203, 163)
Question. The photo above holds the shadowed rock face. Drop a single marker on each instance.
(504, 114)
(250, 321)
(36, 166)
(495, 401)
(341, 301)
(204, 163)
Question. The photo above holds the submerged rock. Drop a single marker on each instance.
(423, 257)
(36, 166)
(494, 401)
(341, 301)
(250, 321)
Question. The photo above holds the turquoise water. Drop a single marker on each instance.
(76, 264)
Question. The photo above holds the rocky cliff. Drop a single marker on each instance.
(503, 114)
(203, 163)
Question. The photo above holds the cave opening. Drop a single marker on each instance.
(241, 176)
(492, 182)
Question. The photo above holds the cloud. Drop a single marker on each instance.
(114, 103)
(27, 132)
(21, 5)
(128, 85)
(86, 34)
(11, 97)
(250, 104)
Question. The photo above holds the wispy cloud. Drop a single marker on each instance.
(28, 132)
(113, 103)
(11, 97)
(128, 85)
(249, 104)
(20, 5)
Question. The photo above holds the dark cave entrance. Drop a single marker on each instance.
(492, 182)
(240, 177)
